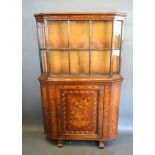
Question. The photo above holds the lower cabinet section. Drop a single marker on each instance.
(80, 111)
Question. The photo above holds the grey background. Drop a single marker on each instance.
(32, 112)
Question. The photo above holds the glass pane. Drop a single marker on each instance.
(101, 34)
(115, 61)
(41, 34)
(59, 62)
(100, 62)
(117, 34)
(79, 34)
(43, 60)
(79, 62)
(57, 34)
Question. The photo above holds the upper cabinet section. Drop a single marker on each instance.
(80, 43)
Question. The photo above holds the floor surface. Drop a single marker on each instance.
(35, 143)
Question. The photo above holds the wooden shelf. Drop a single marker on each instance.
(80, 74)
(78, 49)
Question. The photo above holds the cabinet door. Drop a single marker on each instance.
(80, 109)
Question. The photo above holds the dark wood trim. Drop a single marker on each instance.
(80, 16)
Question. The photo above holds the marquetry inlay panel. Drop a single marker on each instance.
(79, 111)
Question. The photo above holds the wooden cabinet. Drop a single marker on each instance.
(80, 58)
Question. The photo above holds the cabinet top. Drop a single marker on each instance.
(83, 13)
(80, 16)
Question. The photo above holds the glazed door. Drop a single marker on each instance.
(80, 110)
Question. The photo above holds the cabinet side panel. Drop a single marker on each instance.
(53, 112)
(114, 110)
(45, 108)
(58, 105)
(100, 111)
(106, 111)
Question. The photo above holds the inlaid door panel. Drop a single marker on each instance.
(79, 107)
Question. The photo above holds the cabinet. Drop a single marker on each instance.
(80, 59)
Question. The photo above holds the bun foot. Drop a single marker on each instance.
(60, 144)
(101, 144)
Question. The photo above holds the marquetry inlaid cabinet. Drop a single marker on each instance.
(80, 59)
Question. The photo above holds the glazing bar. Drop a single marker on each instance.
(90, 35)
(46, 43)
(121, 40)
(69, 45)
(39, 46)
(112, 46)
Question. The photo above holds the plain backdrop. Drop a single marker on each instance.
(32, 112)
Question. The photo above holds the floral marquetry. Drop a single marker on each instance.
(76, 113)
